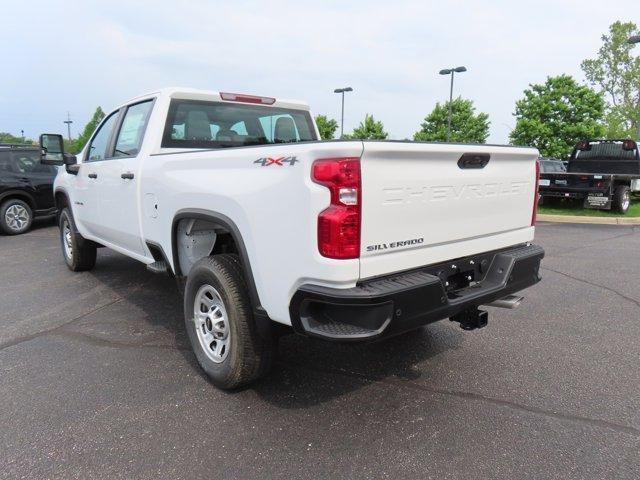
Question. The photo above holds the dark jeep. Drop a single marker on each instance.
(26, 188)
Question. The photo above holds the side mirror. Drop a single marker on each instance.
(52, 153)
(51, 149)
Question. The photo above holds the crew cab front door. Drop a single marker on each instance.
(115, 181)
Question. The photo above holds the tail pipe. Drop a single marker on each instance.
(510, 301)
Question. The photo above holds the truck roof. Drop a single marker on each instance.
(214, 95)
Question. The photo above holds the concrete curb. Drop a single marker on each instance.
(590, 220)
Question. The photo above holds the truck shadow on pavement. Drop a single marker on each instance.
(309, 371)
(306, 371)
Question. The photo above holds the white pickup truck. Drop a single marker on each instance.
(265, 225)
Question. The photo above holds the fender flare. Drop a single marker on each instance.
(21, 194)
(65, 194)
(234, 231)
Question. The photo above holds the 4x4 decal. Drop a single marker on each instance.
(279, 161)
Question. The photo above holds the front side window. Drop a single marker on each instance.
(132, 129)
(100, 142)
(204, 124)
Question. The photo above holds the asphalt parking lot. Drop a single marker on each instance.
(97, 380)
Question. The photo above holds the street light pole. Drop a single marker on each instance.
(68, 121)
(451, 71)
(633, 40)
(342, 91)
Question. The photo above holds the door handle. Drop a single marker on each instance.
(127, 176)
(93, 175)
(474, 160)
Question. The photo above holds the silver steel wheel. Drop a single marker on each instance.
(67, 242)
(212, 323)
(16, 217)
(626, 200)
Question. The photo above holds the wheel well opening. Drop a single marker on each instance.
(17, 196)
(61, 201)
(197, 238)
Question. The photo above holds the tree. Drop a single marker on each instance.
(327, 127)
(466, 125)
(6, 137)
(76, 145)
(555, 115)
(369, 129)
(616, 73)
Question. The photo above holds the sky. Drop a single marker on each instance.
(68, 56)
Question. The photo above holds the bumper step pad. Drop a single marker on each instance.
(390, 305)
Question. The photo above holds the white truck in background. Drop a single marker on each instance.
(264, 225)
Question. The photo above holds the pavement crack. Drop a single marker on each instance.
(49, 331)
(597, 285)
(396, 382)
(104, 342)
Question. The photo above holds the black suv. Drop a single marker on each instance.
(26, 188)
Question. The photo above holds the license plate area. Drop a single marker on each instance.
(463, 273)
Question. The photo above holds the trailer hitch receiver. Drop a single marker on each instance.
(471, 318)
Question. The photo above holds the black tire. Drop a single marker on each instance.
(16, 216)
(248, 353)
(622, 198)
(81, 255)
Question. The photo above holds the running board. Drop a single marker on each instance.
(159, 266)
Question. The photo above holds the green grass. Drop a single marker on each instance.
(564, 207)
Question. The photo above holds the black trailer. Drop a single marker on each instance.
(603, 174)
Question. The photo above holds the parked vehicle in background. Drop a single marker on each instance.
(551, 165)
(26, 188)
(264, 225)
(603, 174)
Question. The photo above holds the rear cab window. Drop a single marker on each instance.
(217, 124)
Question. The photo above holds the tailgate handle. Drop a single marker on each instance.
(474, 160)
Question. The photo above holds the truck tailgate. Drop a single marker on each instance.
(422, 205)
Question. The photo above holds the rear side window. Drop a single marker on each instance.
(132, 129)
(5, 163)
(29, 163)
(202, 124)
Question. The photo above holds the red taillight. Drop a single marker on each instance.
(535, 195)
(240, 97)
(339, 224)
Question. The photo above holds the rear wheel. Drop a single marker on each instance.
(622, 198)
(79, 254)
(220, 323)
(16, 216)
